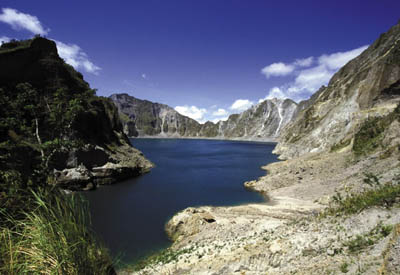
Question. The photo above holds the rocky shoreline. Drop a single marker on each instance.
(287, 234)
(333, 203)
(112, 165)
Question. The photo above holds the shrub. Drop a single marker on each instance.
(379, 195)
(363, 241)
(371, 133)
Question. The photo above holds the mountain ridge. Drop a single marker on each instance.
(353, 95)
(145, 118)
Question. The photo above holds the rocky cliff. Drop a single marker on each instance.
(145, 118)
(262, 121)
(362, 89)
(53, 124)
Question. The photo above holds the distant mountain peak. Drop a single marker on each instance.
(261, 121)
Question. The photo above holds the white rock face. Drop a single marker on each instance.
(266, 119)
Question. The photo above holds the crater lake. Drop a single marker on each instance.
(130, 216)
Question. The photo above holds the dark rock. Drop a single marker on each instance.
(90, 186)
(93, 134)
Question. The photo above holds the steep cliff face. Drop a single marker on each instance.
(360, 90)
(37, 62)
(50, 120)
(262, 121)
(145, 118)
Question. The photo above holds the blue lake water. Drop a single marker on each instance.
(130, 216)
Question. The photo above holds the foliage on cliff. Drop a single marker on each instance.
(372, 133)
(47, 110)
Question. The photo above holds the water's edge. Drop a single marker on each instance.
(252, 139)
(213, 158)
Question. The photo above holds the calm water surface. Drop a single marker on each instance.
(130, 216)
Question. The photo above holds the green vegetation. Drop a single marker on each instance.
(34, 128)
(371, 133)
(361, 242)
(342, 144)
(209, 129)
(42, 118)
(369, 137)
(15, 45)
(147, 120)
(344, 268)
(51, 238)
(378, 195)
(123, 117)
(164, 256)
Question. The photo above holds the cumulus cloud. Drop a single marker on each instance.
(4, 39)
(216, 120)
(241, 105)
(313, 78)
(275, 92)
(282, 69)
(337, 60)
(76, 57)
(309, 76)
(305, 62)
(192, 112)
(22, 21)
(277, 69)
(220, 112)
(71, 53)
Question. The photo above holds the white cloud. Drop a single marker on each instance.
(215, 120)
(277, 69)
(305, 62)
(282, 69)
(309, 80)
(4, 39)
(220, 112)
(192, 112)
(73, 55)
(275, 92)
(18, 20)
(144, 76)
(241, 105)
(313, 78)
(337, 60)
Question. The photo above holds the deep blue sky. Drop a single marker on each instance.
(207, 52)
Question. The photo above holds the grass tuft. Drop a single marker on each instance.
(385, 195)
(52, 238)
